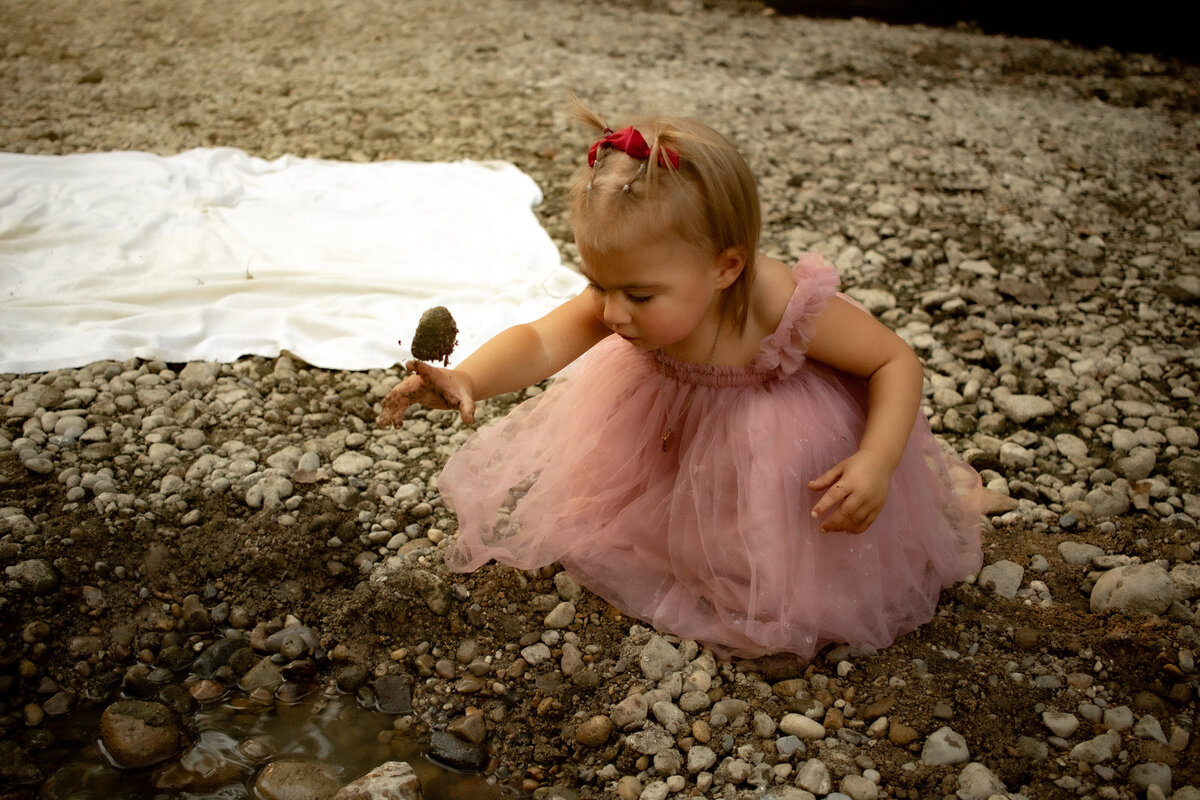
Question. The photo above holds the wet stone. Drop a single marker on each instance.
(292, 646)
(137, 733)
(16, 768)
(394, 780)
(394, 694)
(258, 749)
(296, 780)
(59, 703)
(195, 615)
(207, 690)
(292, 641)
(197, 777)
(302, 670)
(470, 728)
(291, 692)
(448, 749)
(351, 677)
(177, 698)
(137, 682)
(264, 674)
(174, 658)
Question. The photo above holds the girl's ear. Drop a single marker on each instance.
(729, 265)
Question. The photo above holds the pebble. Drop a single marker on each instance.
(856, 787)
(814, 776)
(471, 728)
(658, 658)
(1079, 553)
(562, 615)
(1060, 724)
(595, 732)
(801, 727)
(650, 740)
(945, 746)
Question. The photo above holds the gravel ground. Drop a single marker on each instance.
(1024, 213)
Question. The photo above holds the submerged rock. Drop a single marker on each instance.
(137, 733)
(294, 779)
(394, 780)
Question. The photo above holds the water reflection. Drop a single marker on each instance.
(234, 740)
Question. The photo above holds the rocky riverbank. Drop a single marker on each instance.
(1024, 213)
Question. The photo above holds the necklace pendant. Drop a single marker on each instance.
(665, 438)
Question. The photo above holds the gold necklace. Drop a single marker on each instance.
(670, 424)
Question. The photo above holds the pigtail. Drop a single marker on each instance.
(580, 112)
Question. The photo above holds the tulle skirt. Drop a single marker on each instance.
(713, 540)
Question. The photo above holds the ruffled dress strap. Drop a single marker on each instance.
(783, 352)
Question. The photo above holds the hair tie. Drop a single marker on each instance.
(632, 143)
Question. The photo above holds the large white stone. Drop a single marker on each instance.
(977, 782)
(1004, 578)
(1145, 588)
(945, 746)
(1021, 408)
(1100, 749)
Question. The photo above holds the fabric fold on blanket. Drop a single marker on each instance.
(213, 254)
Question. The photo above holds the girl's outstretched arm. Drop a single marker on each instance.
(512, 359)
(850, 339)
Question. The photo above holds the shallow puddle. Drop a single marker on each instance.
(234, 740)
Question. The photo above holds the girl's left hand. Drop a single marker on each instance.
(857, 488)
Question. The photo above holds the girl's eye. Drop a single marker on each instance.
(594, 288)
(636, 298)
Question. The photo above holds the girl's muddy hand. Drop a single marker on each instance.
(431, 387)
(397, 401)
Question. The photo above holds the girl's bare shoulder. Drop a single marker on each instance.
(771, 291)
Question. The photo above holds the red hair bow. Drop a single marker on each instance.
(632, 143)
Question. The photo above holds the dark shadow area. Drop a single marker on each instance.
(1156, 27)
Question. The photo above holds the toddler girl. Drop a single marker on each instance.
(738, 456)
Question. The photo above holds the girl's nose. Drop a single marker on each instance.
(615, 312)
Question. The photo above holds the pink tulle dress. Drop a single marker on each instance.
(713, 540)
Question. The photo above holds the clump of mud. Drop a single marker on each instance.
(436, 336)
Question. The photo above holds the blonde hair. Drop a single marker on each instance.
(710, 200)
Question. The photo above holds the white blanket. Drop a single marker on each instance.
(213, 254)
